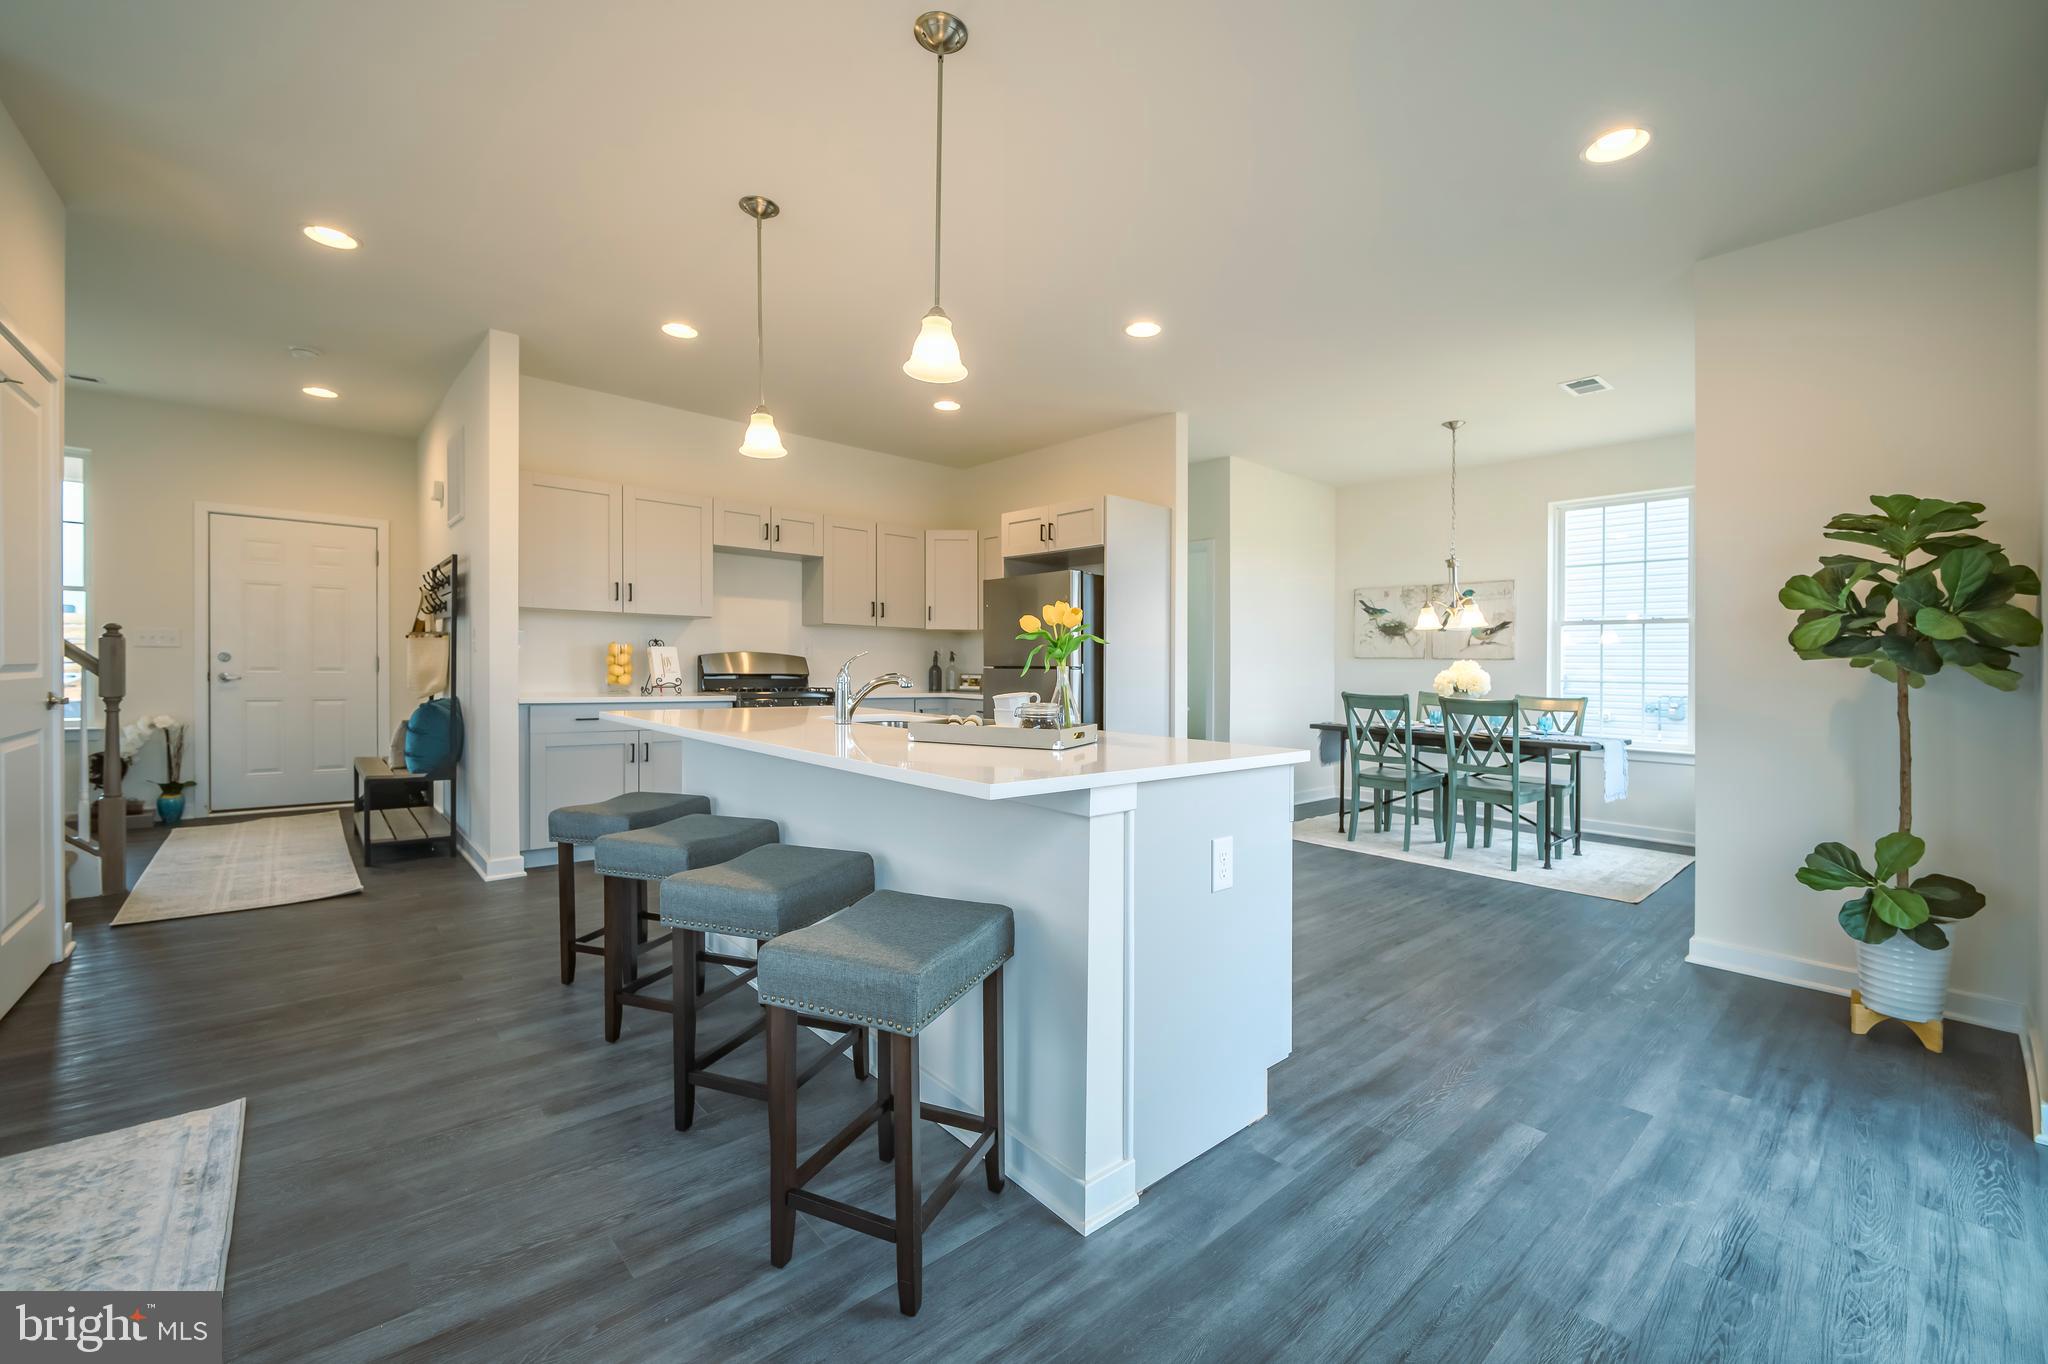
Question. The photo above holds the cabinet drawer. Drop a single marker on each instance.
(573, 720)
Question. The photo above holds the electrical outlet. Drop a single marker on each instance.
(1222, 863)
(154, 637)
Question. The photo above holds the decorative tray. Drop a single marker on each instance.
(1003, 736)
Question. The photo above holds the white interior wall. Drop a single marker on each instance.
(1397, 530)
(1892, 352)
(31, 250)
(1209, 519)
(483, 404)
(149, 464)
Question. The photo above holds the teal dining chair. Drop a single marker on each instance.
(1559, 715)
(1483, 751)
(1383, 759)
(1428, 708)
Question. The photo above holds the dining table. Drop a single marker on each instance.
(1549, 745)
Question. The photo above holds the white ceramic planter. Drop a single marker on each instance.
(1901, 979)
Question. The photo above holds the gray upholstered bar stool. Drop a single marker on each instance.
(893, 962)
(761, 894)
(576, 826)
(627, 862)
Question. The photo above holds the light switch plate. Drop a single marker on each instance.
(1222, 863)
(154, 637)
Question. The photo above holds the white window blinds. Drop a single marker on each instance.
(1622, 628)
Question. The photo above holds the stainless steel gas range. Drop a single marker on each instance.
(758, 679)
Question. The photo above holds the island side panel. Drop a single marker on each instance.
(1022, 853)
(1213, 990)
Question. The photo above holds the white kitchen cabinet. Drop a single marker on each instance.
(572, 756)
(839, 587)
(571, 544)
(952, 578)
(667, 553)
(661, 762)
(587, 546)
(900, 577)
(761, 529)
(991, 554)
(1061, 528)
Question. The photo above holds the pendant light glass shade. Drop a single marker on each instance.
(1426, 619)
(1466, 615)
(935, 355)
(763, 440)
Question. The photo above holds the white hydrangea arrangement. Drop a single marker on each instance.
(1463, 678)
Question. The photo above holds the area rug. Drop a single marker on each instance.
(218, 868)
(144, 1208)
(1610, 871)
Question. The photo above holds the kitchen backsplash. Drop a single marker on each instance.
(759, 606)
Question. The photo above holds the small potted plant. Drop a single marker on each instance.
(1939, 598)
(1057, 632)
(170, 806)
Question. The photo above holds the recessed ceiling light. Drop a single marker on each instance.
(1143, 328)
(317, 391)
(331, 236)
(681, 331)
(1617, 144)
(946, 405)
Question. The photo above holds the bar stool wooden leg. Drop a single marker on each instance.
(885, 1129)
(689, 943)
(781, 1134)
(565, 893)
(992, 1074)
(640, 912)
(619, 971)
(860, 1054)
(909, 1206)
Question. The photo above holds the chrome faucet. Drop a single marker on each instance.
(845, 696)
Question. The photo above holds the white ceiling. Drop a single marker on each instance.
(1353, 218)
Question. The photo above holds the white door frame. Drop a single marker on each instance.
(56, 887)
(201, 750)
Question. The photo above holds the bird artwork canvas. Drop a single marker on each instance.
(1383, 622)
(1495, 639)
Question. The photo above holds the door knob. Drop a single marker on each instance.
(230, 677)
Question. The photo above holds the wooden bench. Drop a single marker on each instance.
(398, 809)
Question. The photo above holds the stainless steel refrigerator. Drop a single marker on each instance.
(1002, 653)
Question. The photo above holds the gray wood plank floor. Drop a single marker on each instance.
(1516, 1126)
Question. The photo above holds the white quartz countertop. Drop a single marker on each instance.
(807, 735)
(633, 699)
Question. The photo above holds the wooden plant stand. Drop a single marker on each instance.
(1862, 1020)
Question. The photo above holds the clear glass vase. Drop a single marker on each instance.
(1065, 696)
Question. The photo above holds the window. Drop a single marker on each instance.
(1622, 619)
(74, 582)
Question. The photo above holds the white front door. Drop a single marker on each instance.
(292, 667)
(31, 928)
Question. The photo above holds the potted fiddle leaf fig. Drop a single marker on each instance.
(1938, 598)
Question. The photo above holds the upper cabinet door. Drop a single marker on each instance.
(741, 525)
(846, 575)
(1076, 525)
(570, 544)
(991, 554)
(1025, 532)
(668, 553)
(902, 578)
(952, 579)
(798, 532)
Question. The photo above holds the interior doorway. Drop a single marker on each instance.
(292, 667)
(1202, 639)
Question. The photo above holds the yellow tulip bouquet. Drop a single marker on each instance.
(1057, 631)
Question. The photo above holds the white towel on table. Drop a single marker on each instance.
(1614, 769)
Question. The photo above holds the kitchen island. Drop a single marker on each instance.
(1152, 984)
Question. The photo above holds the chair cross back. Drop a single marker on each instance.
(1467, 723)
(1381, 731)
(1553, 714)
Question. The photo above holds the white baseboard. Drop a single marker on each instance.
(1965, 1006)
(492, 868)
(1086, 1205)
(1642, 833)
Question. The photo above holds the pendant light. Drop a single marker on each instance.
(935, 355)
(763, 440)
(1459, 610)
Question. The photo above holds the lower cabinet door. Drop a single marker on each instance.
(576, 769)
(661, 762)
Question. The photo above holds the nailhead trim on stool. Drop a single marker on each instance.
(763, 892)
(576, 826)
(895, 961)
(627, 862)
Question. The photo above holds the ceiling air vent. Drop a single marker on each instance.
(1579, 388)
